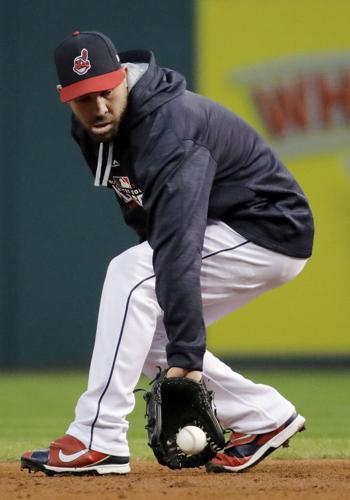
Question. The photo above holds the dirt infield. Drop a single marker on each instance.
(273, 480)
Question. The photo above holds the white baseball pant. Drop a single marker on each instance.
(130, 338)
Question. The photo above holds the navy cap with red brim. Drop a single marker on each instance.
(87, 62)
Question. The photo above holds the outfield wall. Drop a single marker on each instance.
(282, 65)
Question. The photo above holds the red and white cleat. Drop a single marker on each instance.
(68, 455)
(246, 450)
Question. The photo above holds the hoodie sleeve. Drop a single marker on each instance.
(176, 198)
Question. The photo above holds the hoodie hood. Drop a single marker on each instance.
(156, 87)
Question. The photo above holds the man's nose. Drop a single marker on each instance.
(101, 106)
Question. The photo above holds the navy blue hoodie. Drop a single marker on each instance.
(179, 159)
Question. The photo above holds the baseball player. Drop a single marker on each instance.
(220, 221)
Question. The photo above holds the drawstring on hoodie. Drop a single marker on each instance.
(99, 165)
(109, 164)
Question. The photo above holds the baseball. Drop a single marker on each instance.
(191, 440)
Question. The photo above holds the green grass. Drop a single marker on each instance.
(36, 408)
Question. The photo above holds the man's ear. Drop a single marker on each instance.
(126, 76)
(58, 88)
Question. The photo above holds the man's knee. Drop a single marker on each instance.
(292, 268)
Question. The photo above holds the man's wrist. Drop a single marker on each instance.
(175, 371)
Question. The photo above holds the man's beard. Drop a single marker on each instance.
(112, 133)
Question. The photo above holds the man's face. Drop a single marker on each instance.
(100, 113)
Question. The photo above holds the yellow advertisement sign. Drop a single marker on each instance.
(285, 68)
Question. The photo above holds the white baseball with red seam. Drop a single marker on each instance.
(191, 440)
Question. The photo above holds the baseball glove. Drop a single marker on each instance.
(173, 403)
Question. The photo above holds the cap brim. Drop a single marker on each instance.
(93, 84)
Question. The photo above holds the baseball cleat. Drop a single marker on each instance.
(68, 455)
(246, 450)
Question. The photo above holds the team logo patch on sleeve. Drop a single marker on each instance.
(82, 63)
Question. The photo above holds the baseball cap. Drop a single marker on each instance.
(87, 61)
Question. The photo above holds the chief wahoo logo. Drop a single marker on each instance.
(82, 63)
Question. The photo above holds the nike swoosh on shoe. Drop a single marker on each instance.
(70, 458)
